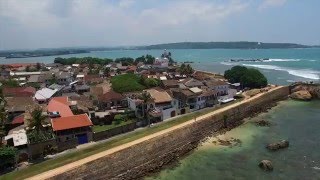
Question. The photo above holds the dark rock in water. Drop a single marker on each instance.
(263, 123)
(279, 145)
(224, 142)
(266, 165)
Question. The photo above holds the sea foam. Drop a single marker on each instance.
(305, 73)
(281, 60)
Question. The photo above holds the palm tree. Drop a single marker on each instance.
(147, 99)
(3, 118)
(106, 72)
(37, 120)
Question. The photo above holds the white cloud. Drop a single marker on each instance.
(126, 3)
(272, 3)
(52, 23)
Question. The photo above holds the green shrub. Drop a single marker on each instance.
(7, 156)
(36, 137)
(151, 82)
(127, 83)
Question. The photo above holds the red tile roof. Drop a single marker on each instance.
(17, 65)
(18, 119)
(132, 69)
(92, 78)
(61, 105)
(71, 122)
(19, 91)
(111, 96)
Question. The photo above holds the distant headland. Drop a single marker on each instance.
(178, 45)
(40, 53)
(225, 45)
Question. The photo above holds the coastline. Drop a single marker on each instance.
(222, 134)
(288, 122)
(189, 139)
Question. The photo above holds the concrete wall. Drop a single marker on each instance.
(36, 149)
(151, 155)
(97, 136)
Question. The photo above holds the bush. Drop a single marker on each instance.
(10, 83)
(151, 82)
(7, 156)
(35, 137)
(118, 119)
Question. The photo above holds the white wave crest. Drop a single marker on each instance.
(281, 60)
(228, 64)
(316, 168)
(305, 73)
(290, 81)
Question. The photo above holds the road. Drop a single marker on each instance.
(73, 165)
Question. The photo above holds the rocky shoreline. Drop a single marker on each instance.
(173, 158)
(305, 91)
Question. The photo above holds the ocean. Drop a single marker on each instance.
(283, 67)
(297, 122)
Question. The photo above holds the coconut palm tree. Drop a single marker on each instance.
(147, 99)
(37, 120)
(106, 72)
(3, 118)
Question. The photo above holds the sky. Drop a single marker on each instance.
(32, 24)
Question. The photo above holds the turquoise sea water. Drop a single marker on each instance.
(284, 67)
(298, 122)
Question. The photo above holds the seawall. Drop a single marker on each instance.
(151, 155)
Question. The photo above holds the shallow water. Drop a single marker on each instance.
(299, 122)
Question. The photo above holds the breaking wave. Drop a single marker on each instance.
(228, 63)
(305, 73)
(281, 60)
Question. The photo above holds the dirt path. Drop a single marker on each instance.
(73, 165)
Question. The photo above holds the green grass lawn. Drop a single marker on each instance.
(99, 128)
(127, 83)
(119, 140)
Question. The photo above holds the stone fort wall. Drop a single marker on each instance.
(151, 155)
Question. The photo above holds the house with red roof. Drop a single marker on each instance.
(112, 100)
(18, 91)
(67, 126)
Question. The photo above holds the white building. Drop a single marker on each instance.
(161, 63)
(44, 94)
(162, 107)
(220, 87)
(164, 104)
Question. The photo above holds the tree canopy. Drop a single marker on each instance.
(125, 61)
(147, 59)
(83, 60)
(251, 78)
(185, 69)
(235, 73)
(150, 82)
